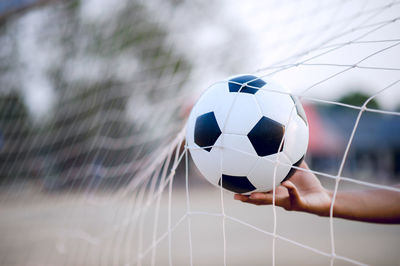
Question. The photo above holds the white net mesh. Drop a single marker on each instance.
(94, 98)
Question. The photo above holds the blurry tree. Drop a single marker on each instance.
(99, 65)
(127, 39)
(14, 118)
(15, 125)
(358, 99)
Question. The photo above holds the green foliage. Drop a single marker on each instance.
(14, 116)
(12, 107)
(15, 125)
(358, 99)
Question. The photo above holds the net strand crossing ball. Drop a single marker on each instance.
(240, 128)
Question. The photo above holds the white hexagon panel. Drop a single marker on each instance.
(236, 149)
(276, 106)
(243, 114)
(263, 172)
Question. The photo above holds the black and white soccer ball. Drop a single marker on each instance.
(240, 128)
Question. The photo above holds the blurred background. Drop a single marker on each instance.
(94, 93)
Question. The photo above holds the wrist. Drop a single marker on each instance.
(324, 208)
(327, 211)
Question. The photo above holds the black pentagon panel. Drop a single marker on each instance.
(299, 109)
(206, 131)
(233, 87)
(292, 170)
(266, 136)
(237, 184)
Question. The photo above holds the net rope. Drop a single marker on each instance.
(152, 169)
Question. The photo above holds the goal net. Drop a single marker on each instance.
(94, 167)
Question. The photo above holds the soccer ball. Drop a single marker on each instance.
(244, 131)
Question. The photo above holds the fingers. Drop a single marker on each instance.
(293, 192)
(286, 196)
(267, 197)
(257, 198)
(241, 197)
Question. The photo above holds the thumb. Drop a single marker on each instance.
(293, 192)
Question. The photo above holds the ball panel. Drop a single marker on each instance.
(237, 184)
(261, 176)
(206, 131)
(296, 139)
(266, 136)
(223, 106)
(254, 82)
(208, 163)
(276, 106)
(238, 155)
(244, 114)
(216, 99)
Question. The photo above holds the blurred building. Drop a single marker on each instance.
(375, 149)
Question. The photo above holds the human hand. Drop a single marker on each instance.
(302, 192)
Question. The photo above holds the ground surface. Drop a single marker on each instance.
(103, 229)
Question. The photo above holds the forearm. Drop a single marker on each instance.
(377, 206)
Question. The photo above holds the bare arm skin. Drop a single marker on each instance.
(303, 192)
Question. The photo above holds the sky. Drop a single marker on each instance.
(280, 30)
(331, 22)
